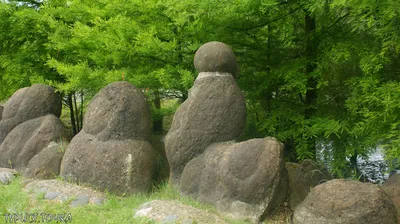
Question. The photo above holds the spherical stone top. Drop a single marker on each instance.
(215, 57)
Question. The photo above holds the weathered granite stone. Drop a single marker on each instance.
(28, 139)
(113, 152)
(345, 201)
(242, 180)
(6, 177)
(51, 195)
(80, 200)
(303, 177)
(215, 57)
(46, 164)
(392, 189)
(26, 104)
(118, 112)
(214, 112)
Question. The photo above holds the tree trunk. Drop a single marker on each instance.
(310, 52)
(78, 126)
(289, 151)
(81, 112)
(72, 114)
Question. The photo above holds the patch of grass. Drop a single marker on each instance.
(116, 209)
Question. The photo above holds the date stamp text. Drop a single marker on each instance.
(38, 218)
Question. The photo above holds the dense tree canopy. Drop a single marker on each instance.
(316, 74)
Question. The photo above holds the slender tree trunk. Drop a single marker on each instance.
(310, 52)
(78, 127)
(72, 115)
(81, 110)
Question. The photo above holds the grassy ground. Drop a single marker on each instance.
(115, 210)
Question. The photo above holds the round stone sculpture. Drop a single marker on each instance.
(215, 57)
(243, 180)
(215, 110)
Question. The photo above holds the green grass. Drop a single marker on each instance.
(115, 210)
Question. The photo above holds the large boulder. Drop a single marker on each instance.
(392, 189)
(46, 164)
(26, 104)
(215, 111)
(28, 139)
(303, 177)
(345, 201)
(243, 180)
(113, 152)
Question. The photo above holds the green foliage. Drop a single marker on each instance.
(316, 74)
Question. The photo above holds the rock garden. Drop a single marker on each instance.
(213, 176)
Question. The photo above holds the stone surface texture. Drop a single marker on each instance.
(242, 180)
(46, 164)
(113, 152)
(246, 180)
(7, 175)
(216, 57)
(30, 121)
(392, 189)
(214, 112)
(29, 139)
(345, 201)
(29, 103)
(60, 191)
(303, 177)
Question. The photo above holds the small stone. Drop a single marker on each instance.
(51, 195)
(143, 212)
(80, 200)
(6, 177)
(145, 205)
(169, 219)
(97, 200)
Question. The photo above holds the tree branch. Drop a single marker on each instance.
(267, 22)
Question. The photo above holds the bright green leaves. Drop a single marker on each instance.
(23, 35)
(80, 46)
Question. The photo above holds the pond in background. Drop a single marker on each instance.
(374, 169)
